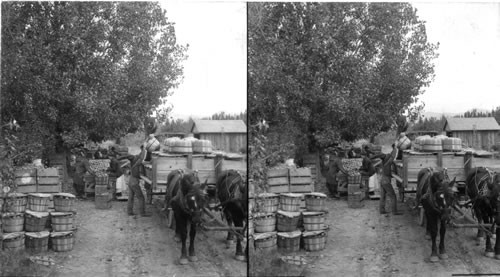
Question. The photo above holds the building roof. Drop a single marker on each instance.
(218, 126)
(471, 123)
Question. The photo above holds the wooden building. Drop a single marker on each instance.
(225, 135)
(477, 133)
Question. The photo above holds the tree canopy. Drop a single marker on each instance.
(73, 71)
(324, 72)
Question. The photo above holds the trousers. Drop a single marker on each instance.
(134, 190)
(386, 189)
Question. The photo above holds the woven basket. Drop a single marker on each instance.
(182, 146)
(61, 222)
(315, 201)
(314, 241)
(265, 241)
(63, 202)
(37, 242)
(35, 221)
(101, 180)
(287, 221)
(16, 203)
(354, 179)
(12, 222)
(289, 242)
(38, 202)
(265, 223)
(13, 241)
(268, 202)
(103, 201)
(62, 241)
(290, 202)
(353, 188)
(313, 221)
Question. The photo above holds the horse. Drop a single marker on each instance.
(233, 194)
(483, 189)
(436, 194)
(187, 198)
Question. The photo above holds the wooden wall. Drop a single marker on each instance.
(480, 140)
(228, 142)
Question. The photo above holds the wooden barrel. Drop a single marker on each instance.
(432, 145)
(13, 241)
(287, 221)
(313, 221)
(37, 241)
(16, 203)
(169, 143)
(290, 202)
(38, 202)
(314, 241)
(12, 222)
(152, 145)
(62, 241)
(403, 143)
(289, 241)
(264, 222)
(63, 202)
(315, 201)
(182, 147)
(452, 144)
(35, 221)
(202, 146)
(265, 241)
(61, 221)
(267, 202)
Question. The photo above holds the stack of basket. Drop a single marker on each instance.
(264, 221)
(27, 222)
(103, 196)
(313, 220)
(288, 218)
(355, 191)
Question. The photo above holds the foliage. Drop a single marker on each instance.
(86, 70)
(429, 124)
(477, 113)
(224, 116)
(336, 71)
(177, 125)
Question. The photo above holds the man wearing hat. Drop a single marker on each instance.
(82, 166)
(331, 166)
(134, 188)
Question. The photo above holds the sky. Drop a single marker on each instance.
(216, 68)
(467, 71)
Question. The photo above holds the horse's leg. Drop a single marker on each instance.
(192, 235)
(480, 232)
(181, 226)
(427, 226)
(178, 229)
(239, 251)
(489, 248)
(432, 222)
(230, 236)
(442, 233)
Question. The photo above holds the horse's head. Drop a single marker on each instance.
(443, 194)
(195, 196)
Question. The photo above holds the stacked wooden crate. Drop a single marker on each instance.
(38, 180)
(290, 180)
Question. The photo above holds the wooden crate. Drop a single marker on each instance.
(25, 180)
(278, 181)
(48, 180)
(301, 180)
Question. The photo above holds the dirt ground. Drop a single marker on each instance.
(111, 243)
(363, 243)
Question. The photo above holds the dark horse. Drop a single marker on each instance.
(483, 189)
(233, 194)
(187, 198)
(436, 194)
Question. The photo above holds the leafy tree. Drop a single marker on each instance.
(335, 71)
(86, 70)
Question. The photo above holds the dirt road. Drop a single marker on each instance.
(111, 243)
(363, 243)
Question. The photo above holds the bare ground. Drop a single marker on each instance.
(363, 243)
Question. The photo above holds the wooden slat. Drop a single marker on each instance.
(422, 161)
(202, 163)
(278, 189)
(300, 180)
(239, 165)
(49, 188)
(282, 172)
(25, 172)
(48, 180)
(25, 181)
(48, 172)
(492, 164)
(305, 171)
(277, 181)
(453, 162)
(26, 189)
(301, 188)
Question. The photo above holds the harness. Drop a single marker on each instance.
(484, 191)
(430, 196)
(235, 193)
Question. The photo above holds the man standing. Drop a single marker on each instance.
(330, 167)
(134, 189)
(385, 183)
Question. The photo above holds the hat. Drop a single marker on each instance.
(402, 134)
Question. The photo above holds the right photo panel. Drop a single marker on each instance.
(374, 139)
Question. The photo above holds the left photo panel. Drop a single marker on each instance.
(123, 147)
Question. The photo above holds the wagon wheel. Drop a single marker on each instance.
(421, 217)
